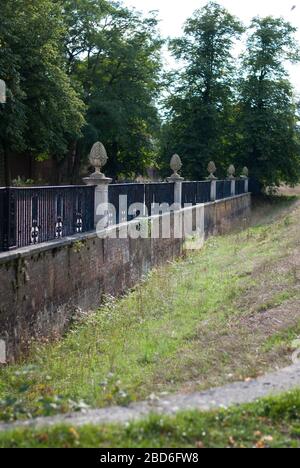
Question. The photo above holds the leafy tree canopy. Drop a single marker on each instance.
(268, 116)
(43, 111)
(200, 104)
(115, 55)
(78, 71)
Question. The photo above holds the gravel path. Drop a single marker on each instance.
(234, 394)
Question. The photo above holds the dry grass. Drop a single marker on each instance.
(225, 313)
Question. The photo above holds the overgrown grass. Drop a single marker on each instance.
(285, 338)
(273, 423)
(178, 330)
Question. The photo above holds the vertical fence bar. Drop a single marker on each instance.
(34, 215)
(41, 214)
(159, 193)
(4, 219)
(240, 187)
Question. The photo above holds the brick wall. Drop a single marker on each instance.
(42, 287)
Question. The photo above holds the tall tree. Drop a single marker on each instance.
(268, 116)
(201, 100)
(43, 113)
(115, 56)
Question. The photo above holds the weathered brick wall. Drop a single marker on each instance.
(42, 287)
(224, 215)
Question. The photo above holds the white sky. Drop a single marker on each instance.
(174, 13)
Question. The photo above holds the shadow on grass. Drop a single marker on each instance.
(268, 208)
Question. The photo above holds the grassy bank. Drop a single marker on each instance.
(273, 423)
(228, 312)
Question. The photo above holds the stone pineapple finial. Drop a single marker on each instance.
(245, 173)
(175, 165)
(231, 172)
(211, 169)
(98, 158)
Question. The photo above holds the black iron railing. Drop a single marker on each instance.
(35, 215)
(196, 192)
(158, 194)
(239, 187)
(223, 189)
(121, 197)
(3, 218)
(40, 214)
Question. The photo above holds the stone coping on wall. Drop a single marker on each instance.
(65, 241)
(44, 286)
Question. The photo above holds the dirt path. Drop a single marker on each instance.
(222, 397)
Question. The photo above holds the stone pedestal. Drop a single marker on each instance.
(246, 180)
(213, 190)
(231, 177)
(245, 176)
(232, 187)
(101, 184)
(177, 181)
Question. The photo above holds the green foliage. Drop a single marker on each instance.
(200, 105)
(66, 61)
(191, 324)
(267, 114)
(87, 70)
(228, 112)
(43, 111)
(19, 405)
(120, 79)
(19, 182)
(268, 423)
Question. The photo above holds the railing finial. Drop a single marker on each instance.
(245, 173)
(175, 165)
(212, 169)
(231, 172)
(98, 158)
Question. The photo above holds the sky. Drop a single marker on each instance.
(174, 13)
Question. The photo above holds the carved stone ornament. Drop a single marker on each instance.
(231, 172)
(245, 173)
(98, 157)
(175, 165)
(211, 169)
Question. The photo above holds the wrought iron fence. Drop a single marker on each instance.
(3, 218)
(239, 187)
(196, 192)
(40, 214)
(162, 193)
(35, 215)
(121, 197)
(223, 189)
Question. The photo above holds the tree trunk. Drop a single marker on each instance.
(114, 165)
(76, 164)
(7, 177)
